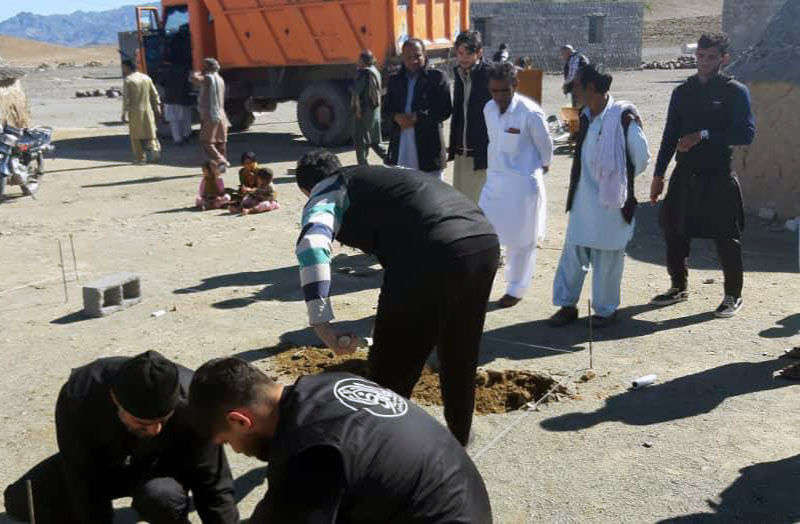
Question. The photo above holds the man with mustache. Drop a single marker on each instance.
(123, 431)
(340, 448)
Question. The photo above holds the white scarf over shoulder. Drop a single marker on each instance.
(610, 162)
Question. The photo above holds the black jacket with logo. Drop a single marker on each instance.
(347, 450)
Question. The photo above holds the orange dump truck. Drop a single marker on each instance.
(279, 50)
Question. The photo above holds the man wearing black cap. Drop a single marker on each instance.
(123, 431)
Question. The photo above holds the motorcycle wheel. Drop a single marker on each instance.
(34, 175)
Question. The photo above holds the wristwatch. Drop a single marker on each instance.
(704, 134)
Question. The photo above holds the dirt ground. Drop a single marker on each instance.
(714, 440)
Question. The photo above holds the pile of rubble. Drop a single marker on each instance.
(113, 92)
(682, 62)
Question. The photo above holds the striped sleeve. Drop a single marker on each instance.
(321, 221)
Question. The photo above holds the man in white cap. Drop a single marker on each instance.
(211, 106)
(573, 61)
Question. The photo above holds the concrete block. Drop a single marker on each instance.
(110, 294)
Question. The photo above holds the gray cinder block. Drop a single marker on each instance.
(110, 294)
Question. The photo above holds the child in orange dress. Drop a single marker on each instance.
(211, 194)
(264, 198)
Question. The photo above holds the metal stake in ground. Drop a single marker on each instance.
(591, 355)
(63, 271)
(31, 516)
(74, 258)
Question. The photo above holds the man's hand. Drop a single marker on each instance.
(686, 143)
(656, 188)
(405, 120)
(340, 343)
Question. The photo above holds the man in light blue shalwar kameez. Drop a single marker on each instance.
(600, 205)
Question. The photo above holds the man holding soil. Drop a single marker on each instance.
(439, 253)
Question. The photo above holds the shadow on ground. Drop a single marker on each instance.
(515, 341)
(350, 274)
(789, 327)
(765, 492)
(680, 398)
(764, 251)
(269, 147)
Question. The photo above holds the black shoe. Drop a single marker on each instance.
(601, 322)
(729, 307)
(563, 316)
(672, 296)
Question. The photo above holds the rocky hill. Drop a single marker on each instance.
(78, 29)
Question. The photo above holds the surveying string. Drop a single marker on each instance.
(531, 406)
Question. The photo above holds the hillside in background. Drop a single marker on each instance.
(78, 29)
(28, 52)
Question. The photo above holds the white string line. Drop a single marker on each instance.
(535, 346)
(531, 407)
(29, 284)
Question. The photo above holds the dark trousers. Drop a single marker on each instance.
(157, 500)
(729, 252)
(441, 303)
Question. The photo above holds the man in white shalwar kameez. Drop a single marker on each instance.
(513, 199)
(611, 149)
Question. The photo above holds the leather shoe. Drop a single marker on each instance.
(563, 316)
(601, 322)
(508, 301)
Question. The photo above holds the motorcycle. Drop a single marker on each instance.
(22, 157)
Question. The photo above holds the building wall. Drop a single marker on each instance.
(767, 169)
(539, 29)
(746, 20)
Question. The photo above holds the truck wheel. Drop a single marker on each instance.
(239, 116)
(323, 113)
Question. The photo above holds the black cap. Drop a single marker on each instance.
(146, 386)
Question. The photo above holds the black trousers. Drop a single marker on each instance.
(157, 500)
(439, 303)
(729, 252)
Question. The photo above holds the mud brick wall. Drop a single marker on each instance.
(745, 20)
(539, 29)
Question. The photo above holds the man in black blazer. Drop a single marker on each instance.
(468, 138)
(418, 101)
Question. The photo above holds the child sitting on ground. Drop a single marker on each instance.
(264, 198)
(211, 194)
(247, 181)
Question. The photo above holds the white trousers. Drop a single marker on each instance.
(520, 263)
(606, 265)
(180, 121)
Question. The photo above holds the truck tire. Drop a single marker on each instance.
(239, 116)
(323, 113)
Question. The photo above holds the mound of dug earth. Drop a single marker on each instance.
(495, 392)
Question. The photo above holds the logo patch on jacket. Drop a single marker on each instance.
(359, 394)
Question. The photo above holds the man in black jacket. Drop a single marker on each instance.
(708, 114)
(418, 101)
(468, 137)
(123, 431)
(439, 253)
(340, 448)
